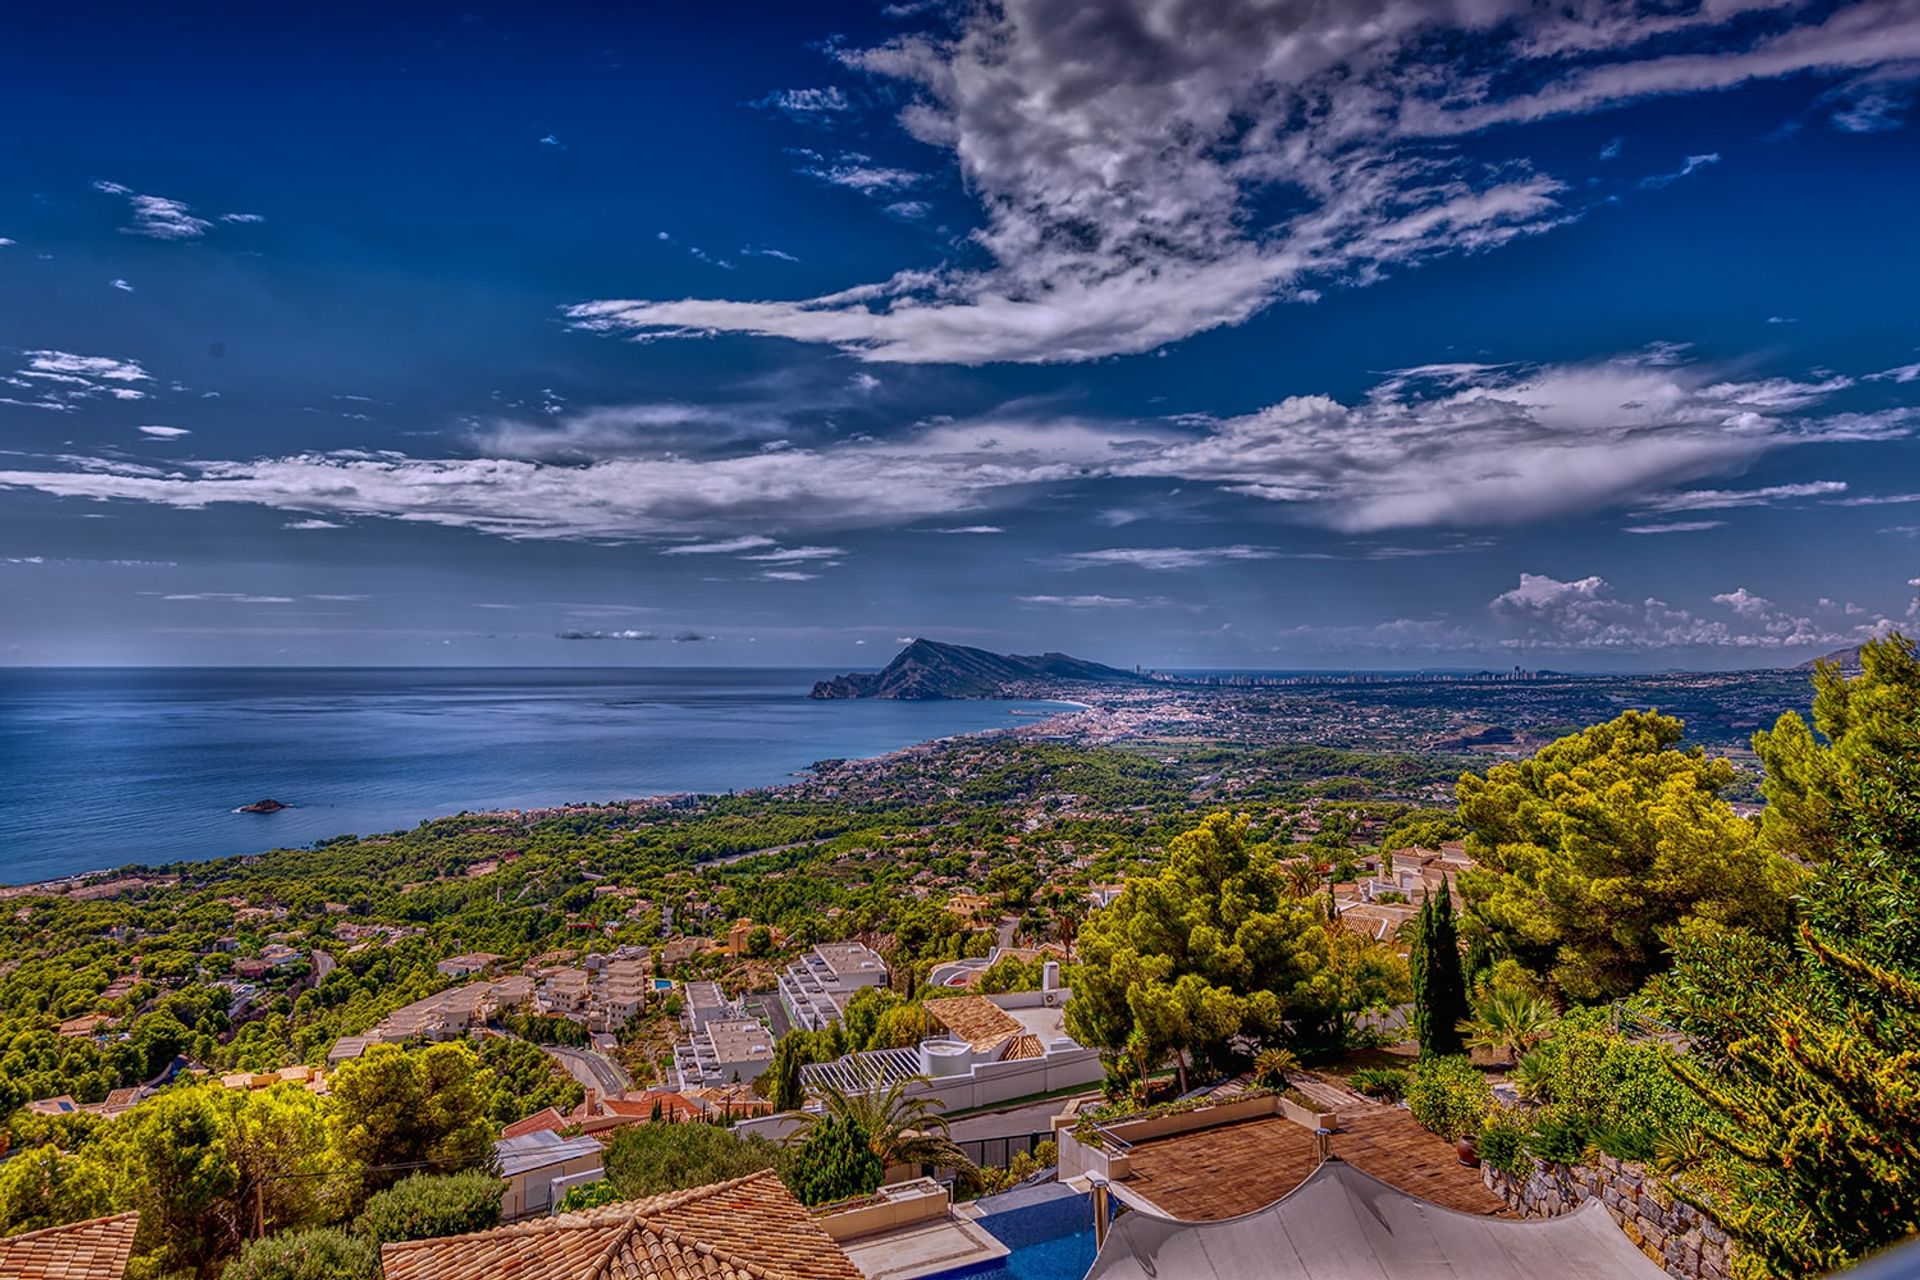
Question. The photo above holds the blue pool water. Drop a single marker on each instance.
(1050, 1235)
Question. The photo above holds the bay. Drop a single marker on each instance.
(103, 767)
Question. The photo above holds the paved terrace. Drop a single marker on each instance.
(1237, 1168)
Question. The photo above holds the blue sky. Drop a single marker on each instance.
(1190, 333)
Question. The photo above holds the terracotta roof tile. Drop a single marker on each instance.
(747, 1229)
(96, 1249)
(546, 1118)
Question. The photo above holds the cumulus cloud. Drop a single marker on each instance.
(1458, 446)
(1149, 169)
(1547, 613)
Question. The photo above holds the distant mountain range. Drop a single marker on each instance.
(928, 669)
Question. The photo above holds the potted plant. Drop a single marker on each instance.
(1467, 1147)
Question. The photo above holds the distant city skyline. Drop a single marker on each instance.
(1189, 334)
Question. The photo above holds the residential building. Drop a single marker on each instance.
(726, 1052)
(540, 1167)
(980, 1051)
(623, 989)
(466, 965)
(816, 987)
(705, 1003)
(564, 992)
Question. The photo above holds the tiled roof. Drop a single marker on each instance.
(97, 1249)
(544, 1118)
(747, 1229)
(975, 1019)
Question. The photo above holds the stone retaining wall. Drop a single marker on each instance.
(1681, 1239)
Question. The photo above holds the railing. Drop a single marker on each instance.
(998, 1153)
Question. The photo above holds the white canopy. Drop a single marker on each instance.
(1342, 1224)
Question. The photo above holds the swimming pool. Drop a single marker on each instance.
(1049, 1230)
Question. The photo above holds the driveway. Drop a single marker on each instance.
(594, 1071)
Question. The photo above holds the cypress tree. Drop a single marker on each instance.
(1439, 989)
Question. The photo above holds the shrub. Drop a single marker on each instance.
(1270, 1068)
(1625, 1088)
(427, 1205)
(589, 1195)
(1386, 1083)
(1559, 1135)
(649, 1159)
(1448, 1096)
(325, 1253)
(1503, 1139)
(835, 1162)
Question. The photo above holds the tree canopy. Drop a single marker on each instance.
(1589, 849)
(1210, 947)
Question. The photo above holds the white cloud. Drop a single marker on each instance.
(1456, 446)
(752, 542)
(157, 217)
(121, 285)
(1901, 374)
(1163, 559)
(861, 174)
(971, 529)
(804, 104)
(1126, 155)
(4, 242)
(628, 634)
(1546, 613)
(58, 380)
(1687, 167)
(228, 597)
(1081, 602)
(787, 575)
(165, 433)
(312, 524)
(242, 219)
(1676, 526)
(1725, 499)
(798, 555)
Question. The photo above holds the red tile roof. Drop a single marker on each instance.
(96, 1249)
(747, 1229)
(546, 1118)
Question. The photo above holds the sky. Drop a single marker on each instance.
(1187, 333)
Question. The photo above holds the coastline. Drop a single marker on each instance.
(103, 881)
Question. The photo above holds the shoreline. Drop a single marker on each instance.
(145, 873)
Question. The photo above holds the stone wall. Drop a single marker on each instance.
(1677, 1236)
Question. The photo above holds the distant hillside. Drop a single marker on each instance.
(1848, 659)
(928, 669)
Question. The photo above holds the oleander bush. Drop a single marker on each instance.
(324, 1253)
(1448, 1096)
(425, 1205)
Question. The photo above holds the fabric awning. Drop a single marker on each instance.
(1342, 1224)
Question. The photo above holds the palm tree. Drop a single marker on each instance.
(900, 1128)
(1508, 1020)
(1302, 877)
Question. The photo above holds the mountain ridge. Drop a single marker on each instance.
(929, 669)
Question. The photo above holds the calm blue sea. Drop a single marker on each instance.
(99, 768)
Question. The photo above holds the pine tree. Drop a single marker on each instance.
(1439, 989)
(1809, 1056)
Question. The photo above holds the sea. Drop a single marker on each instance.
(104, 767)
